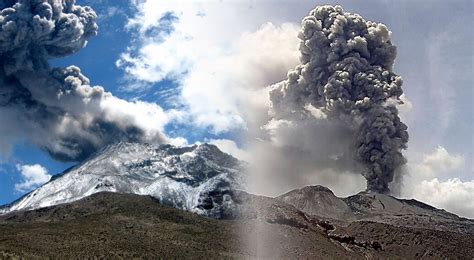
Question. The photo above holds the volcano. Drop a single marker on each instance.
(141, 200)
(196, 178)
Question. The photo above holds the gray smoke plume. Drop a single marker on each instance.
(346, 77)
(56, 108)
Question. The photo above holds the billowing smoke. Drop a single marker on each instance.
(345, 81)
(56, 108)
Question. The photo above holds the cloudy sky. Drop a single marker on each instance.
(199, 72)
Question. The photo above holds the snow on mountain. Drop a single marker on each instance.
(198, 178)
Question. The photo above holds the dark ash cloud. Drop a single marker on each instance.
(56, 108)
(346, 80)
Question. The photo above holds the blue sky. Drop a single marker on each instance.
(206, 47)
(97, 62)
(101, 71)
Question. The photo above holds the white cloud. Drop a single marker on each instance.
(440, 161)
(32, 176)
(453, 195)
(230, 147)
(159, 53)
(229, 89)
(168, 58)
(424, 183)
(222, 72)
(149, 117)
(223, 67)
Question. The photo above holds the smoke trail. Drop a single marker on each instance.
(56, 108)
(346, 76)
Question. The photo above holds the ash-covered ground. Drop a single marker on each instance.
(290, 226)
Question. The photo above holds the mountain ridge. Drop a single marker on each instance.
(111, 225)
(375, 207)
(184, 177)
(200, 178)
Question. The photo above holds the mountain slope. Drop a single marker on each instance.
(196, 178)
(280, 231)
(374, 207)
(111, 225)
(318, 200)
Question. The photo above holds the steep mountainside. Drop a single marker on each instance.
(196, 178)
(318, 200)
(279, 230)
(114, 226)
(95, 209)
(374, 207)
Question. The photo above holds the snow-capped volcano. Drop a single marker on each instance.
(198, 178)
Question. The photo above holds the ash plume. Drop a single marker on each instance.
(56, 108)
(346, 78)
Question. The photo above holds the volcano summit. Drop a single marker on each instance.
(197, 178)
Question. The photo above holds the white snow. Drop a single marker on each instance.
(177, 176)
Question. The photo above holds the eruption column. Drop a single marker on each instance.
(56, 108)
(346, 73)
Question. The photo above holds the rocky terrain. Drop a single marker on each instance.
(399, 227)
(112, 225)
(373, 207)
(193, 178)
(144, 201)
